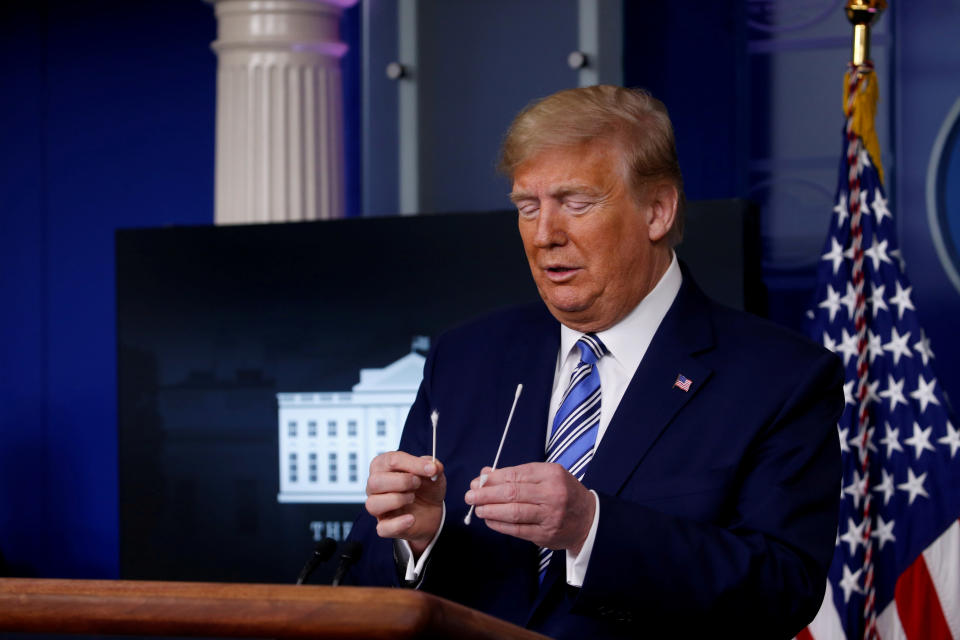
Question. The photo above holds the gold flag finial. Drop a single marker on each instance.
(862, 14)
(860, 93)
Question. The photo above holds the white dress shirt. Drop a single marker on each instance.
(627, 342)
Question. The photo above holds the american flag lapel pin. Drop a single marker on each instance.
(683, 382)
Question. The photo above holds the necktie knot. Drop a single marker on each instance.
(591, 348)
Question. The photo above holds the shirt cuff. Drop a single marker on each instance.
(577, 563)
(413, 571)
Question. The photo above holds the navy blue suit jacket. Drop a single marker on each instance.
(718, 505)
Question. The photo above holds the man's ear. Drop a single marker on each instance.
(661, 209)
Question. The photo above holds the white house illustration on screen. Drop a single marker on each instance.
(327, 439)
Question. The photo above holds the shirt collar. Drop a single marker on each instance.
(628, 340)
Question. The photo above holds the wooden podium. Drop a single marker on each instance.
(145, 608)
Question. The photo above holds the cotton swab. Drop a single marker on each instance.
(496, 459)
(434, 417)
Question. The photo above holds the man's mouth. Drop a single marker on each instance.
(560, 273)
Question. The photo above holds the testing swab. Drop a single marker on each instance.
(496, 459)
(434, 417)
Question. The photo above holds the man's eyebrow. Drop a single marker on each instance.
(559, 192)
(575, 189)
(516, 196)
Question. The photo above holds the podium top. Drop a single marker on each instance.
(239, 610)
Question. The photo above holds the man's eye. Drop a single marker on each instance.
(577, 206)
(528, 211)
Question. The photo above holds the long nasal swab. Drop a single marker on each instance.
(483, 476)
(434, 417)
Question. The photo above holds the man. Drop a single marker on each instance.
(672, 467)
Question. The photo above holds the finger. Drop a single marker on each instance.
(502, 493)
(513, 490)
(395, 527)
(432, 468)
(531, 472)
(432, 475)
(392, 481)
(433, 490)
(388, 461)
(382, 504)
(511, 513)
(531, 532)
(481, 479)
(404, 462)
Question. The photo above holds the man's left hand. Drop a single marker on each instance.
(539, 501)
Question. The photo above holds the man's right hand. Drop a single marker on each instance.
(405, 501)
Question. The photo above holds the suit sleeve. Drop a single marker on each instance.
(377, 565)
(763, 567)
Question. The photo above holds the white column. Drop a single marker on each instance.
(279, 110)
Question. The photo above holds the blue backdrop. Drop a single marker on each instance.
(108, 116)
(108, 122)
(110, 125)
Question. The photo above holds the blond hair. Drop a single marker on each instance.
(630, 118)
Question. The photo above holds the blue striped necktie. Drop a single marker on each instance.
(577, 421)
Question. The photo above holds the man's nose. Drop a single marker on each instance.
(550, 228)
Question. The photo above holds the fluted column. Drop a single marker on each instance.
(279, 110)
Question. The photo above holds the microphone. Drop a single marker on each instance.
(321, 553)
(352, 550)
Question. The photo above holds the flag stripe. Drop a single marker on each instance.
(827, 625)
(943, 563)
(918, 605)
(888, 624)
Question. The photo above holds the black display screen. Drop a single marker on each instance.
(223, 329)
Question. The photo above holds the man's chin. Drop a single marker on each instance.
(565, 304)
(574, 314)
(581, 315)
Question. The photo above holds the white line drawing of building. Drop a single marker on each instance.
(327, 439)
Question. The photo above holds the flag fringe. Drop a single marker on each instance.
(862, 111)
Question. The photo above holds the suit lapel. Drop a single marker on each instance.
(531, 362)
(647, 407)
(652, 398)
(649, 403)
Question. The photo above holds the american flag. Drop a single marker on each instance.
(683, 382)
(896, 564)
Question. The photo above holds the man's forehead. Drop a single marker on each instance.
(583, 168)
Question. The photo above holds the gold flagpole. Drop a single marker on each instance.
(862, 14)
(860, 104)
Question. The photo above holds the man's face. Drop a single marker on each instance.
(589, 241)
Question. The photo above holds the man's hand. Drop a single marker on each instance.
(540, 502)
(405, 501)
